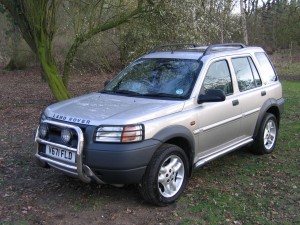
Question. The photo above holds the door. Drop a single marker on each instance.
(252, 95)
(219, 122)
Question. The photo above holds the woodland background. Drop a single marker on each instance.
(104, 35)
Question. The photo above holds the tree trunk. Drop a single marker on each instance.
(244, 23)
(53, 78)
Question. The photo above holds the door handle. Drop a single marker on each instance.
(235, 102)
(263, 93)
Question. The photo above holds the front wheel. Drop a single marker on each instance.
(166, 176)
(266, 139)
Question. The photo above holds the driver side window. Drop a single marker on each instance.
(218, 77)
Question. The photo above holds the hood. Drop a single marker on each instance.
(97, 109)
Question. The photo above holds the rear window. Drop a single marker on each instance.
(267, 69)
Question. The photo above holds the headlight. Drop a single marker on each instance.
(128, 133)
(43, 130)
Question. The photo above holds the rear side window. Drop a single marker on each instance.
(267, 68)
(246, 73)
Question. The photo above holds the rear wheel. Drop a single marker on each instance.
(266, 139)
(166, 176)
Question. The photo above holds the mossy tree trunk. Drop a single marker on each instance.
(49, 69)
(42, 17)
(36, 20)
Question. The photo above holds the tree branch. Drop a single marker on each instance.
(81, 38)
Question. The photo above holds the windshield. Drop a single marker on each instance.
(173, 78)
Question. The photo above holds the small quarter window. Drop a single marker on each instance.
(257, 79)
(268, 71)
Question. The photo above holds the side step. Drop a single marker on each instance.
(220, 153)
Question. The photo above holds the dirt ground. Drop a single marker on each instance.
(32, 195)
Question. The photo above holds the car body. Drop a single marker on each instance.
(169, 112)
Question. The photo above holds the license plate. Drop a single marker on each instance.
(61, 154)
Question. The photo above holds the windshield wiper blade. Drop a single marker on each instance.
(164, 95)
(127, 92)
(133, 93)
(130, 93)
(105, 91)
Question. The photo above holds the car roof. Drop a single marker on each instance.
(198, 52)
(174, 55)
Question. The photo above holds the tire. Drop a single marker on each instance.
(266, 138)
(166, 176)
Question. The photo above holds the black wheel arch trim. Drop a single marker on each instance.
(177, 132)
(270, 103)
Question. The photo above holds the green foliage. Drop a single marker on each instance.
(275, 24)
(2, 9)
(201, 22)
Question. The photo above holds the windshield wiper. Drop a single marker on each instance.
(164, 95)
(105, 92)
(127, 92)
(133, 93)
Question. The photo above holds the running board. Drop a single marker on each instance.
(218, 154)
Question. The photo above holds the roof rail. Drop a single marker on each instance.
(155, 49)
(211, 48)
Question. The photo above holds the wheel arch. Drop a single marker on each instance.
(181, 137)
(270, 106)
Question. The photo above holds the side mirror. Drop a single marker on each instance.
(106, 82)
(212, 95)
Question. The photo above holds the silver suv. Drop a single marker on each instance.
(165, 115)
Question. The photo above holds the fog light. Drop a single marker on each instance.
(66, 135)
(43, 130)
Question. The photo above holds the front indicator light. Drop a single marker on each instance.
(132, 133)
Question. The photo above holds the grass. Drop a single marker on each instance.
(242, 188)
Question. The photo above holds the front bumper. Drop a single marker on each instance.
(121, 163)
